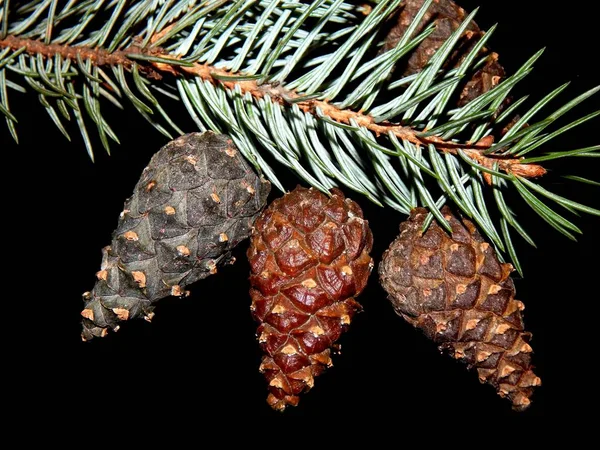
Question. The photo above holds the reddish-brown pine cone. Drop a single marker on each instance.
(309, 259)
(460, 295)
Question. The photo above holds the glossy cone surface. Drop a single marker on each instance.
(196, 200)
(309, 257)
(457, 292)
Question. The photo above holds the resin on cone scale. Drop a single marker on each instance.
(195, 201)
(309, 259)
(457, 292)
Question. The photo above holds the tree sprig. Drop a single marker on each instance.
(299, 82)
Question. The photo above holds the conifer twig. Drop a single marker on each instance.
(155, 67)
(419, 117)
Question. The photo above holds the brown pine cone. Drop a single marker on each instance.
(309, 258)
(447, 17)
(457, 292)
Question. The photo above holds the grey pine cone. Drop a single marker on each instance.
(196, 200)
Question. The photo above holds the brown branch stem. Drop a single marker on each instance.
(277, 93)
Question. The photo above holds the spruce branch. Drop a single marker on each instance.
(158, 63)
(314, 87)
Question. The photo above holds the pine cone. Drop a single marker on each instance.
(447, 17)
(461, 296)
(309, 257)
(196, 200)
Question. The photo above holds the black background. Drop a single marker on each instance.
(194, 370)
